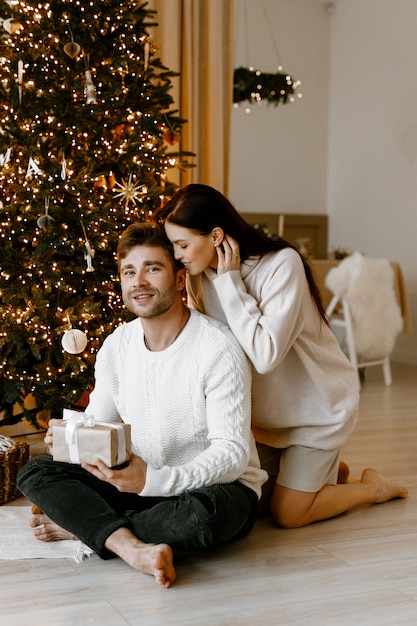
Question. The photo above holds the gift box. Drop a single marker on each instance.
(13, 456)
(80, 438)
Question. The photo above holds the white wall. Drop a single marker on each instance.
(348, 148)
(279, 154)
(372, 188)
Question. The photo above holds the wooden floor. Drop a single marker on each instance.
(360, 568)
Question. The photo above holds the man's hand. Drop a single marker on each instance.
(131, 479)
(48, 440)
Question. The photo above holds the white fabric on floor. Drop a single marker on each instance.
(17, 541)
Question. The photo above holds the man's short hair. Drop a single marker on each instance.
(146, 234)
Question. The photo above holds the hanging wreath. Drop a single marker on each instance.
(254, 86)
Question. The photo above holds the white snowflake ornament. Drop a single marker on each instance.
(128, 190)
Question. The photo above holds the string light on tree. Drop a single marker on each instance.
(84, 103)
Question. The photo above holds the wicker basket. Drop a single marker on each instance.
(13, 456)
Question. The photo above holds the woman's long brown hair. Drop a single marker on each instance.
(201, 208)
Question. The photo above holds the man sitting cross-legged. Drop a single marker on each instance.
(183, 383)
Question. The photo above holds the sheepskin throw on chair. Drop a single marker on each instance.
(368, 287)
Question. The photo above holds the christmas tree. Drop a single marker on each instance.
(86, 134)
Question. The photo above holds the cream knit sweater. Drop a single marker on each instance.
(188, 405)
(305, 390)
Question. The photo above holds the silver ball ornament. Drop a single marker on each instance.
(72, 49)
(11, 25)
(45, 221)
(74, 341)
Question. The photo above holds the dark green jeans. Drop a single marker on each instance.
(92, 509)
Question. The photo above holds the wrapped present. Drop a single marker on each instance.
(13, 456)
(82, 439)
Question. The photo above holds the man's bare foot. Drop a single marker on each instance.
(148, 558)
(343, 473)
(383, 488)
(45, 529)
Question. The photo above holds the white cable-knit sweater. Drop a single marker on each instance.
(305, 390)
(188, 405)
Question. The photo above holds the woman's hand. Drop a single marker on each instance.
(131, 479)
(228, 255)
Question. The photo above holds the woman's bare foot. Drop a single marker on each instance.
(148, 558)
(45, 529)
(343, 473)
(383, 488)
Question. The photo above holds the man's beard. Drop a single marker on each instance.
(163, 303)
